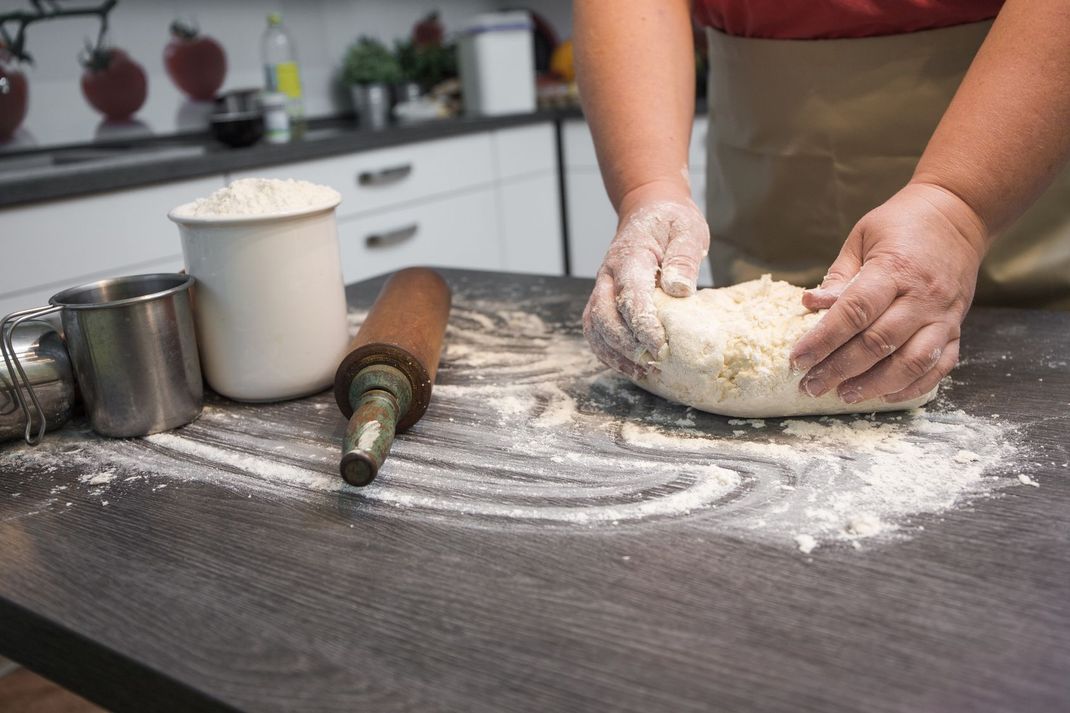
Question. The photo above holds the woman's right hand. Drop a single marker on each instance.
(661, 240)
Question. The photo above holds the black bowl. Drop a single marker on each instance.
(238, 101)
(238, 130)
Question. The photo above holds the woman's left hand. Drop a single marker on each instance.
(896, 295)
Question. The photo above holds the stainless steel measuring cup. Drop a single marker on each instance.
(133, 349)
(39, 348)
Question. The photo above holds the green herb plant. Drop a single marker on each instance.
(369, 61)
(427, 65)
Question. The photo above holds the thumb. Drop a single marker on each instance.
(839, 275)
(683, 255)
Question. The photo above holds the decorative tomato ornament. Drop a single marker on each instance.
(196, 63)
(428, 32)
(14, 96)
(113, 83)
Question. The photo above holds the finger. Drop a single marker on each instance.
(635, 300)
(864, 300)
(683, 257)
(839, 275)
(910, 363)
(602, 318)
(890, 331)
(930, 381)
(614, 360)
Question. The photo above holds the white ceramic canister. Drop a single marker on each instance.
(270, 303)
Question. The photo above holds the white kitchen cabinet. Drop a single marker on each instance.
(488, 200)
(529, 199)
(59, 244)
(529, 215)
(382, 179)
(592, 221)
(456, 231)
(525, 151)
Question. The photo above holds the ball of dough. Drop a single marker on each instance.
(727, 353)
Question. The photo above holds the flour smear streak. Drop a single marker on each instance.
(566, 443)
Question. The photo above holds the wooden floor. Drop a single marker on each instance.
(23, 691)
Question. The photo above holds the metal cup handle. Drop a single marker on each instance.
(7, 330)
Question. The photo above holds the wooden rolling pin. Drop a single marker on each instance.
(384, 385)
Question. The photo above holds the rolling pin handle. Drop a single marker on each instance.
(379, 396)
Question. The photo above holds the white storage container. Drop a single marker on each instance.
(497, 63)
(270, 303)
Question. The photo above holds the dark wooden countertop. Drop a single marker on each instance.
(225, 567)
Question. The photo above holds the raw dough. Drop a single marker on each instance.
(727, 353)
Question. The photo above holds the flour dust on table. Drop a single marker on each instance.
(527, 430)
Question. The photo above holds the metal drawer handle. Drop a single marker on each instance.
(385, 176)
(391, 237)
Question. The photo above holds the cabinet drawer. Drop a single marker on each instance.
(525, 150)
(384, 178)
(459, 231)
(60, 242)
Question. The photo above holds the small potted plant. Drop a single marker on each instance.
(370, 69)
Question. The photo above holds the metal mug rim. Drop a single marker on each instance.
(185, 282)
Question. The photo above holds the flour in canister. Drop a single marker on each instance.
(727, 352)
(270, 307)
(248, 197)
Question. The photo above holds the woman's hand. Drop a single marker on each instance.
(897, 295)
(661, 233)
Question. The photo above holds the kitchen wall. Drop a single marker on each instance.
(322, 29)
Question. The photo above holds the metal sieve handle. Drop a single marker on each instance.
(14, 368)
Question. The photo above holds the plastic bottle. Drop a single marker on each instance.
(281, 69)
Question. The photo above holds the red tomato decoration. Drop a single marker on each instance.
(428, 32)
(196, 63)
(113, 83)
(14, 98)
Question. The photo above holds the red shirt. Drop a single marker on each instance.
(825, 19)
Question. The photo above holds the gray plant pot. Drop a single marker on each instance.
(371, 102)
(406, 92)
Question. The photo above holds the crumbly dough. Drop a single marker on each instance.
(727, 353)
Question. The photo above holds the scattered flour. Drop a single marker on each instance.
(848, 478)
(805, 543)
(97, 478)
(864, 524)
(247, 197)
(576, 445)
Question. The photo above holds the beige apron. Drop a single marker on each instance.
(806, 136)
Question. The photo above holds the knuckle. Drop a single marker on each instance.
(835, 273)
(681, 262)
(875, 344)
(918, 364)
(854, 311)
